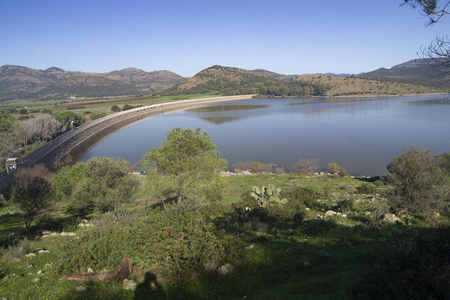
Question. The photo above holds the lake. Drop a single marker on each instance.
(360, 134)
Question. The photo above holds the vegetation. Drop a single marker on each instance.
(31, 192)
(188, 163)
(320, 237)
(66, 117)
(100, 183)
(413, 175)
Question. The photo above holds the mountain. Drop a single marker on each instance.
(223, 80)
(417, 71)
(55, 83)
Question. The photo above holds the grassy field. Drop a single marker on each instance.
(177, 253)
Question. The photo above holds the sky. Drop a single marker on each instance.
(185, 37)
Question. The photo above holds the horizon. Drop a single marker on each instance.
(287, 37)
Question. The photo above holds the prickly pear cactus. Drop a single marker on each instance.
(267, 195)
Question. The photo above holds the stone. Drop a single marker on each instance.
(274, 230)
(250, 247)
(129, 284)
(307, 264)
(39, 272)
(90, 271)
(30, 255)
(323, 254)
(81, 225)
(307, 209)
(36, 280)
(391, 218)
(43, 251)
(330, 213)
(80, 288)
(225, 269)
(343, 216)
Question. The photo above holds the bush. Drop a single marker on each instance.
(305, 166)
(337, 170)
(258, 167)
(23, 111)
(115, 108)
(97, 115)
(307, 195)
(127, 107)
(366, 189)
(413, 175)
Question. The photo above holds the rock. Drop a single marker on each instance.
(323, 254)
(36, 280)
(391, 218)
(129, 284)
(250, 247)
(39, 272)
(225, 269)
(80, 288)
(307, 264)
(343, 216)
(30, 255)
(48, 265)
(90, 271)
(81, 225)
(43, 251)
(330, 213)
(307, 209)
(274, 230)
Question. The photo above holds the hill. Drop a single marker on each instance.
(346, 86)
(274, 75)
(418, 72)
(223, 80)
(17, 82)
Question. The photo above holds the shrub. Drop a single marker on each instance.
(23, 111)
(366, 189)
(413, 174)
(305, 166)
(307, 195)
(127, 107)
(97, 115)
(115, 108)
(335, 169)
(258, 167)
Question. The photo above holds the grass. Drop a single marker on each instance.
(180, 253)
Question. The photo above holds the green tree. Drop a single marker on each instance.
(190, 161)
(31, 192)
(413, 175)
(64, 118)
(100, 183)
(115, 108)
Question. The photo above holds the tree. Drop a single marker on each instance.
(437, 54)
(100, 183)
(65, 117)
(40, 128)
(115, 108)
(413, 175)
(190, 161)
(31, 192)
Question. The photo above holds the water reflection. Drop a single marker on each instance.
(221, 108)
(220, 120)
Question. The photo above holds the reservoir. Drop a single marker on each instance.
(360, 134)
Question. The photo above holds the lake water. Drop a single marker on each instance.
(360, 134)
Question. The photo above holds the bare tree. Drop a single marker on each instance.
(40, 128)
(437, 54)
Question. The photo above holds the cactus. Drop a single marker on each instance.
(267, 195)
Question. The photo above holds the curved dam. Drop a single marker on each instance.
(88, 134)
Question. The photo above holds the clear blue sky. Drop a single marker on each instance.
(283, 36)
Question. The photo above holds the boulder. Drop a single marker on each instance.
(225, 269)
(330, 213)
(391, 218)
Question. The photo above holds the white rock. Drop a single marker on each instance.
(391, 218)
(80, 288)
(330, 213)
(90, 271)
(225, 269)
(39, 272)
(36, 280)
(307, 209)
(129, 284)
(30, 255)
(307, 264)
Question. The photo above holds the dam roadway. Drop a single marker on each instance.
(88, 134)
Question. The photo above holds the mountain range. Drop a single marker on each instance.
(18, 82)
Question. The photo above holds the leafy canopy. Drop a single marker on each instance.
(188, 159)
